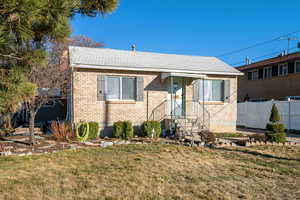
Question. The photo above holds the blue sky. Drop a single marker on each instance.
(195, 27)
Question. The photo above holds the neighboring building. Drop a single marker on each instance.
(111, 85)
(274, 78)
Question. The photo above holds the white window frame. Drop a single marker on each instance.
(223, 95)
(120, 88)
(253, 77)
(286, 65)
(266, 68)
(297, 61)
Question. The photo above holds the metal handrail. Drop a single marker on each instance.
(193, 110)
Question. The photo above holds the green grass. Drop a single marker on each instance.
(154, 172)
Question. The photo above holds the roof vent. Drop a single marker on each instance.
(133, 47)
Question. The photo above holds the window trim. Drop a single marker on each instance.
(287, 67)
(295, 66)
(223, 95)
(120, 89)
(265, 68)
(252, 75)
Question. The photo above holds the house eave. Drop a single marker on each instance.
(85, 66)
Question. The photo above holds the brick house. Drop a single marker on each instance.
(188, 91)
(273, 78)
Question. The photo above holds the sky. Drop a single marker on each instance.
(197, 27)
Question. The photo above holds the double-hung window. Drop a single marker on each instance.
(267, 72)
(212, 90)
(283, 69)
(120, 88)
(297, 66)
(253, 75)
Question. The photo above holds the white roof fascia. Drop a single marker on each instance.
(154, 70)
(165, 75)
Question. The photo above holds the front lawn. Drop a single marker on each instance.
(154, 172)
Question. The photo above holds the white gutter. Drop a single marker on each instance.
(154, 70)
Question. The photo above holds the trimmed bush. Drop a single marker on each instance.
(275, 129)
(276, 137)
(93, 128)
(128, 130)
(150, 128)
(274, 117)
(123, 130)
(118, 129)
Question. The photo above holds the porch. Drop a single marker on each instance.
(182, 113)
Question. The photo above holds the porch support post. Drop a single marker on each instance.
(172, 106)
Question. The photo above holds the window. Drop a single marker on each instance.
(213, 90)
(283, 69)
(120, 88)
(267, 72)
(297, 66)
(253, 75)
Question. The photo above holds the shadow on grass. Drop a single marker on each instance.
(255, 153)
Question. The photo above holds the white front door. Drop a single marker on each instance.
(176, 100)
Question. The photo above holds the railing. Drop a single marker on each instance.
(190, 116)
(159, 113)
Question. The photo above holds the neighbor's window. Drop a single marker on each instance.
(283, 69)
(297, 66)
(213, 90)
(253, 75)
(267, 72)
(120, 88)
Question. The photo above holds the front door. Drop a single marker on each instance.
(176, 100)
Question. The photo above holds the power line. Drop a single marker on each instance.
(258, 57)
(257, 44)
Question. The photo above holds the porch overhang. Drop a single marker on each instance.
(165, 75)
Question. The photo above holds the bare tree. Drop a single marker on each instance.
(55, 75)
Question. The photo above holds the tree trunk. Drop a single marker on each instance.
(7, 121)
(31, 127)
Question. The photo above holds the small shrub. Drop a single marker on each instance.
(276, 137)
(123, 129)
(82, 131)
(275, 128)
(128, 130)
(62, 131)
(274, 117)
(150, 128)
(118, 129)
(93, 128)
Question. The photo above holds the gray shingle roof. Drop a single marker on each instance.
(103, 58)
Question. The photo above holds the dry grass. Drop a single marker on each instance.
(154, 172)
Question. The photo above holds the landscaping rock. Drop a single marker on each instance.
(106, 144)
(119, 142)
(5, 153)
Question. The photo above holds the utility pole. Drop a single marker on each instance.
(289, 39)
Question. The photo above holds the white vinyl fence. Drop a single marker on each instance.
(257, 114)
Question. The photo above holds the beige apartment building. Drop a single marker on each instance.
(275, 78)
